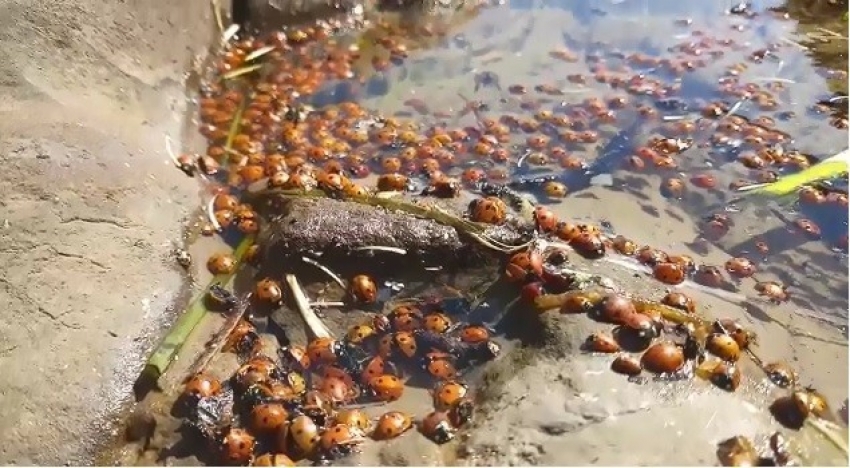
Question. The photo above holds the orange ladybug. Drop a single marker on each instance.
(472, 334)
(524, 265)
(447, 393)
(398, 344)
(391, 425)
(739, 267)
(589, 245)
(267, 418)
(437, 322)
(336, 390)
(437, 427)
(567, 231)
(273, 459)
(709, 275)
(201, 386)
(358, 334)
(405, 318)
(393, 183)
(386, 387)
(440, 366)
(376, 367)
(299, 438)
(624, 246)
(490, 210)
(651, 256)
(268, 291)
(808, 228)
(236, 447)
(340, 440)
(322, 351)
(544, 219)
(669, 273)
(221, 264)
(257, 370)
(773, 291)
(354, 418)
(680, 301)
(363, 289)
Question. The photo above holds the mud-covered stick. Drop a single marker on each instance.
(315, 326)
(220, 338)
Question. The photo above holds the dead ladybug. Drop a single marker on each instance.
(437, 427)
(340, 440)
(336, 390)
(221, 264)
(294, 357)
(273, 459)
(680, 301)
(299, 438)
(524, 265)
(725, 375)
(673, 187)
(440, 365)
(601, 343)
(391, 425)
(268, 418)
(544, 219)
(443, 188)
(461, 412)
(393, 183)
(405, 318)
(473, 333)
(268, 291)
(589, 245)
(386, 387)
(781, 374)
(555, 190)
(616, 308)
(739, 267)
(708, 275)
(354, 418)
(490, 210)
(359, 334)
(219, 298)
(663, 358)
(723, 346)
(773, 291)
(201, 385)
(624, 246)
(363, 289)
(437, 322)
(626, 365)
(447, 393)
(236, 447)
(808, 229)
(741, 336)
(737, 451)
(685, 261)
(578, 302)
(255, 371)
(651, 256)
(669, 273)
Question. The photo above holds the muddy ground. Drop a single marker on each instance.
(92, 207)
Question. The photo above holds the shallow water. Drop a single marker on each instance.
(511, 44)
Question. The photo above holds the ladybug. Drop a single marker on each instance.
(685, 261)
(339, 440)
(440, 365)
(443, 188)
(740, 267)
(236, 447)
(355, 419)
(267, 418)
(218, 298)
(221, 264)
(773, 291)
(201, 386)
(380, 323)
(322, 351)
(624, 246)
(258, 370)
(386, 387)
(273, 459)
(448, 392)
(461, 412)
(358, 334)
(294, 357)
(544, 219)
(589, 244)
(554, 189)
(401, 342)
(669, 273)
(334, 371)
(336, 390)
(317, 407)
(268, 291)
(490, 210)
(524, 265)
(405, 318)
(377, 366)
(680, 301)
(708, 275)
(577, 304)
(437, 322)
(437, 427)
(808, 228)
(391, 425)
(472, 333)
(566, 231)
(242, 339)
(299, 437)
(393, 183)
(650, 256)
(363, 289)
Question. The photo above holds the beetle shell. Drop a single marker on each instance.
(781, 374)
(524, 265)
(339, 436)
(669, 273)
(221, 264)
(299, 437)
(680, 301)
(616, 308)
(490, 210)
(354, 418)
(601, 343)
(236, 447)
(437, 427)
(387, 387)
(268, 291)
(202, 386)
(663, 358)
(267, 418)
(626, 365)
(391, 425)
(447, 393)
(723, 346)
(363, 289)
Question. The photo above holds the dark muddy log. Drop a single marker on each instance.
(340, 229)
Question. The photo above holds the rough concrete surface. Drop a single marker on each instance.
(90, 207)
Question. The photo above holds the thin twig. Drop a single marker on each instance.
(381, 248)
(220, 338)
(326, 270)
(315, 326)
